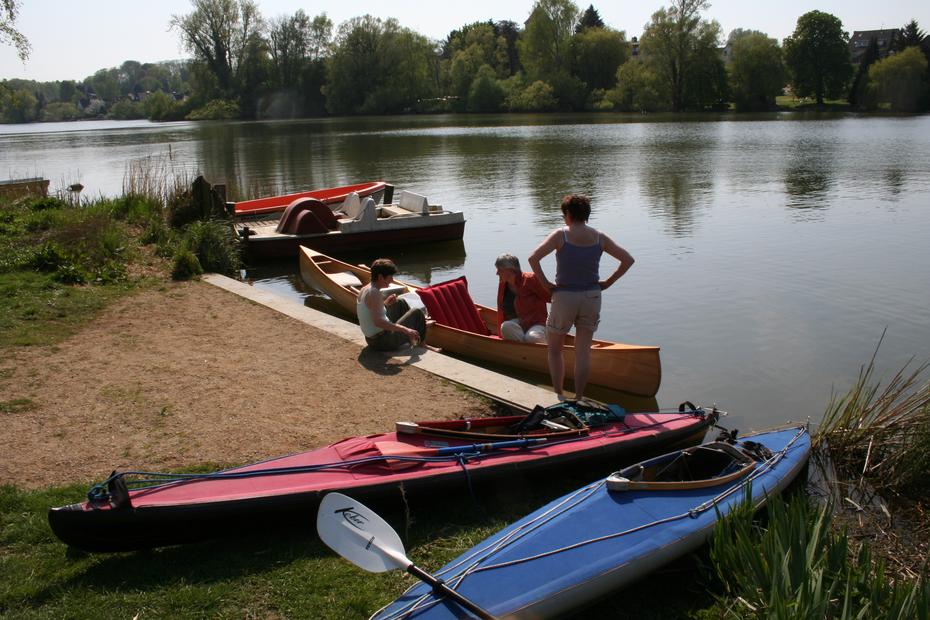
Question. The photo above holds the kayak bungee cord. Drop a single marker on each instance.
(570, 502)
(100, 493)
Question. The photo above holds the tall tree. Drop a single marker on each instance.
(817, 56)
(910, 36)
(9, 11)
(545, 47)
(757, 70)
(681, 50)
(599, 52)
(899, 80)
(377, 67)
(289, 38)
(857, 92)
(589, 19)
(220, 33)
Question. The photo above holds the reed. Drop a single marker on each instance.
(797, 565)
(879, 434)
(157, 177)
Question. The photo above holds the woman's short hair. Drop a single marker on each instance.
(383, 267)
(578, 206)
(508, 261)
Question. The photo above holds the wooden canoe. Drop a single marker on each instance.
(633, 369)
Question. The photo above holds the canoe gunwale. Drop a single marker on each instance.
(641, 372)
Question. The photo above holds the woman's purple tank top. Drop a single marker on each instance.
(576, 267)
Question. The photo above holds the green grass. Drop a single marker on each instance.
(790, 102)
(285, 573)
(35, 309)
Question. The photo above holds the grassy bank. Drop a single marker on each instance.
(60, 263)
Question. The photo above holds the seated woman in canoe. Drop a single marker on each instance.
(387, 323)
(521, 302)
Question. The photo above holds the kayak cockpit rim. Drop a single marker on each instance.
(703, 466)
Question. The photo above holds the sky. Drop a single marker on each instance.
(71, 40)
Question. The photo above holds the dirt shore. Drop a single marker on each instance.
(191, 374)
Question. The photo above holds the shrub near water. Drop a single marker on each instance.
(212, 244)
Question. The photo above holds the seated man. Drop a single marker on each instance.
(387, 323)
(521, 302)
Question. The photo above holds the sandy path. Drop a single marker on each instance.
(192, 374)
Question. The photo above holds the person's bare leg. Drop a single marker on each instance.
(583, 338)
(555, 343)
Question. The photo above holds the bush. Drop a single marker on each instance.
(48, 257)
(218, 109)
(537, 97)
(215, 244)
(49, 202)
(186, 265)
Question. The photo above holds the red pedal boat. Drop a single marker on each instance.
(331, 196)
(137, 510)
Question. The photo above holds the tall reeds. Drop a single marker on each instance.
(880, 434)
(156, 177)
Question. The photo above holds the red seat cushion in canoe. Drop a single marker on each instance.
(450, 304)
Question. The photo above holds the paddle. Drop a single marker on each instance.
(362, 537)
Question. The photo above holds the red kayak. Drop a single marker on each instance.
(331, 196)
(137, 510)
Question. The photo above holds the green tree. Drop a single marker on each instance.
(545, 47)
(105, 84)
(757, 70)
(221, 34)
(60, 111)
(680, 50)
(817, 57)
(589, 19)
(289, 36)
(638, 89)
(599, 52)
(537, 97)
(910, 36)
(377, 67)
(858, 92)
(159, 106)
(899, 80)
(66, 90)
(485, 94)
(19, 106)
(9, 11)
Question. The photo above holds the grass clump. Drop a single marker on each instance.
(879, 435)
(798, 566)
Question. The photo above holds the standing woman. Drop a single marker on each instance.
(576, 294)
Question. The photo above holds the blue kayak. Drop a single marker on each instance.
(612, 532)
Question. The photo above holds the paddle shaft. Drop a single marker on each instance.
(442, 588)
(495, 445)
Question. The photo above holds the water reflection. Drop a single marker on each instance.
(677, 179)
(809, 173)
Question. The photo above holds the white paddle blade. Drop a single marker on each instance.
(359, 535)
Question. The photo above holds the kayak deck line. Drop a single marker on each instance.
(500, 388)
(463, 454)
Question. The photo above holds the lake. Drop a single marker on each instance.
(771, 251)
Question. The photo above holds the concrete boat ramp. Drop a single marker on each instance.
(497, 387)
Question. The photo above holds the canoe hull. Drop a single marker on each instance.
(628, 368)
(593, 541)
(191, 511)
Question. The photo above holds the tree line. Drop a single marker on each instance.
(562, 59)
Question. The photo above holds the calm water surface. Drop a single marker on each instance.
(771, 251)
